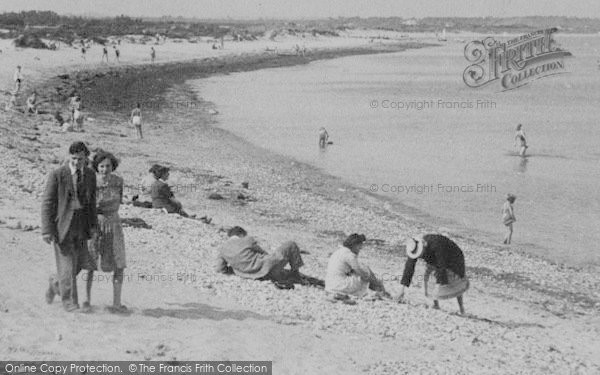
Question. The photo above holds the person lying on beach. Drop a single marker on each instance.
(32, 104)
(508, 217)
(323, 137)
(520, 139)
(108, 244)
(144, 198)
(162, 196)
(346, 276)
(443, 257)
(241, 255)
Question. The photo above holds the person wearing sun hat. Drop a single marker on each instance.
(443, 257)
(345, 275)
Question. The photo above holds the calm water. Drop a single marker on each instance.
(440, 147)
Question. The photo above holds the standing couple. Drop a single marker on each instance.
(78, 206)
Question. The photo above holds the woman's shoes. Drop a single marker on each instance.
(121, 309)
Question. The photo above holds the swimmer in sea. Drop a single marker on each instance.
(323, 137)
(520, 137)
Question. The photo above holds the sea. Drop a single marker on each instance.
(405, 126)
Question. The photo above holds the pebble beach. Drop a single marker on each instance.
(525, 315)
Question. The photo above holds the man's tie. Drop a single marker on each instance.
(80, 187)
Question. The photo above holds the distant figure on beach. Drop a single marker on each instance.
(162, 196)
(136, 120)
(69, 221)
(12, 102)
(117, 53)
(520, 139)
(152, 54)
(18, 78)
(242, 255)
(32, 103)
(508, 217)
(443, 258)
(346, 276)
(59, 119)
(323, 137)
(74, 105)
(83, 50)
(109, 243)
(104, 53)
(144, 196)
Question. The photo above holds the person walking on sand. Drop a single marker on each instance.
(18, 78)
(104, 53)
(508, 217)
(83, 51)
(68, 221)
(323, 137)
(520, 139)
(109, 244)
(242, 255)
(117, 53)
(136, 120)
(442, 257)
(346, 276)
(152, 54)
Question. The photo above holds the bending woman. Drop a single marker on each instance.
(443, 257)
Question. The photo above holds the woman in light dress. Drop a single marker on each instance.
(109, 244)
(346, 276)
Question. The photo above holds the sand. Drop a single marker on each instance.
(524, 315)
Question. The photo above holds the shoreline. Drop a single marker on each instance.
(298, 203)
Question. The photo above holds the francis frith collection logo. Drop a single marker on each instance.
(516, 62)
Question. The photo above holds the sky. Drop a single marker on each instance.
(297, 9)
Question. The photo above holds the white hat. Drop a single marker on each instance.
(414, 247)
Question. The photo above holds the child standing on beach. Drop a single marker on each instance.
(18, 78)
(136, 120)
(104, 53)
(109, 243)
(152, 54)
(508, 217)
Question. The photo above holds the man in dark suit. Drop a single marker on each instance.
(68, 221)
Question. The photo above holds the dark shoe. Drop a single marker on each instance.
(122, 309)
(86, 307)
(283, 284)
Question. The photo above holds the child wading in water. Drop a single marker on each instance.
(508, 217)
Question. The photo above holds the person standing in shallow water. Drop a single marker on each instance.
(520, 140)
(109, 244)
(323, 137)
(508, 217)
